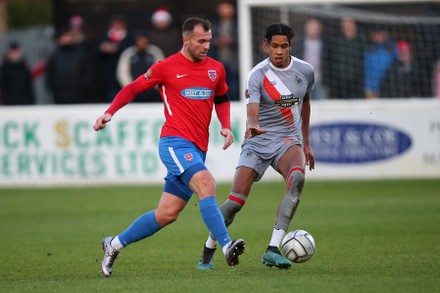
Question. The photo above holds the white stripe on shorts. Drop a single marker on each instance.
(173, 155)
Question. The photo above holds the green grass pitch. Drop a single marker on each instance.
(371, 236)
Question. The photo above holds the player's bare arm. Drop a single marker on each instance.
(305, 115)
(102, 121)
(252, 125)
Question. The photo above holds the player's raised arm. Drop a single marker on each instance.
(124, 96)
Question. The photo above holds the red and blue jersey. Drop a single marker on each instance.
(187, 90)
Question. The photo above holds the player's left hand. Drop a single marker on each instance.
(229, 137)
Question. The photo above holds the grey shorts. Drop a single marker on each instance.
(259, 156)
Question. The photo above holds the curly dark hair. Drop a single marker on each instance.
(277, 29)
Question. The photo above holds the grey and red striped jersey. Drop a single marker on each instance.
(280, 93)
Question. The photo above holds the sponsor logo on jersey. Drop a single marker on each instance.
(286, 101)
(212, 75)
(181, 75)
(246, 94)
(148, 74)
(197, 93)
(357, 143)
(189, 157)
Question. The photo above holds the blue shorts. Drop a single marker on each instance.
(182, 159)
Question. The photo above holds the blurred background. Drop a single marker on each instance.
(37, 25)
(341, 41)
(376, 100)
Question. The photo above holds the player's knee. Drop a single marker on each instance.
(296, 180)
(203, 184)
(166, 217)
(170, 218)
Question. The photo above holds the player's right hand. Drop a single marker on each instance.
(252, 132)
(102, 121)
(229, 137)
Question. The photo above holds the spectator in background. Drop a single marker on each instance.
(312, 50)
(116, 40)
(163, 33)
(69, 71)
(16, 86)
(76, 27)
(224, 45)
(436, 80)
(347, 66)
(135, 60)
(402, 79)
(378, 57)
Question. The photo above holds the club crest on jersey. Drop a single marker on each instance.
(246, 94)
(148, 74)
(287, 101)
(298, 80)
(188, 157)
(212, 75)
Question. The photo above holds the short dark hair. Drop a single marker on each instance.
(277, 29)
(190, 23)
(13, 45)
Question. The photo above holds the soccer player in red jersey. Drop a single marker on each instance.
(190, 84)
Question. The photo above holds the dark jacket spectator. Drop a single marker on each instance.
(164, 33)
(347, 66)
(116, 40)
(224, 45)
(402, 79)
(15, 78)
(69, 71)
(135, 61)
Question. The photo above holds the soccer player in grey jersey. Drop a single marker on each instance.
(277, 135)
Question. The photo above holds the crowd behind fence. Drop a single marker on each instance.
(65, 67)
(36, 43)
(359, 52)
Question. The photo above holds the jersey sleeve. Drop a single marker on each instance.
(222, 87)
(144, 82)
(253, 87)
(154, 75)
(311, 79)
(126, 95)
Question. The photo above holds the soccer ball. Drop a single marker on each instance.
(298, 246)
